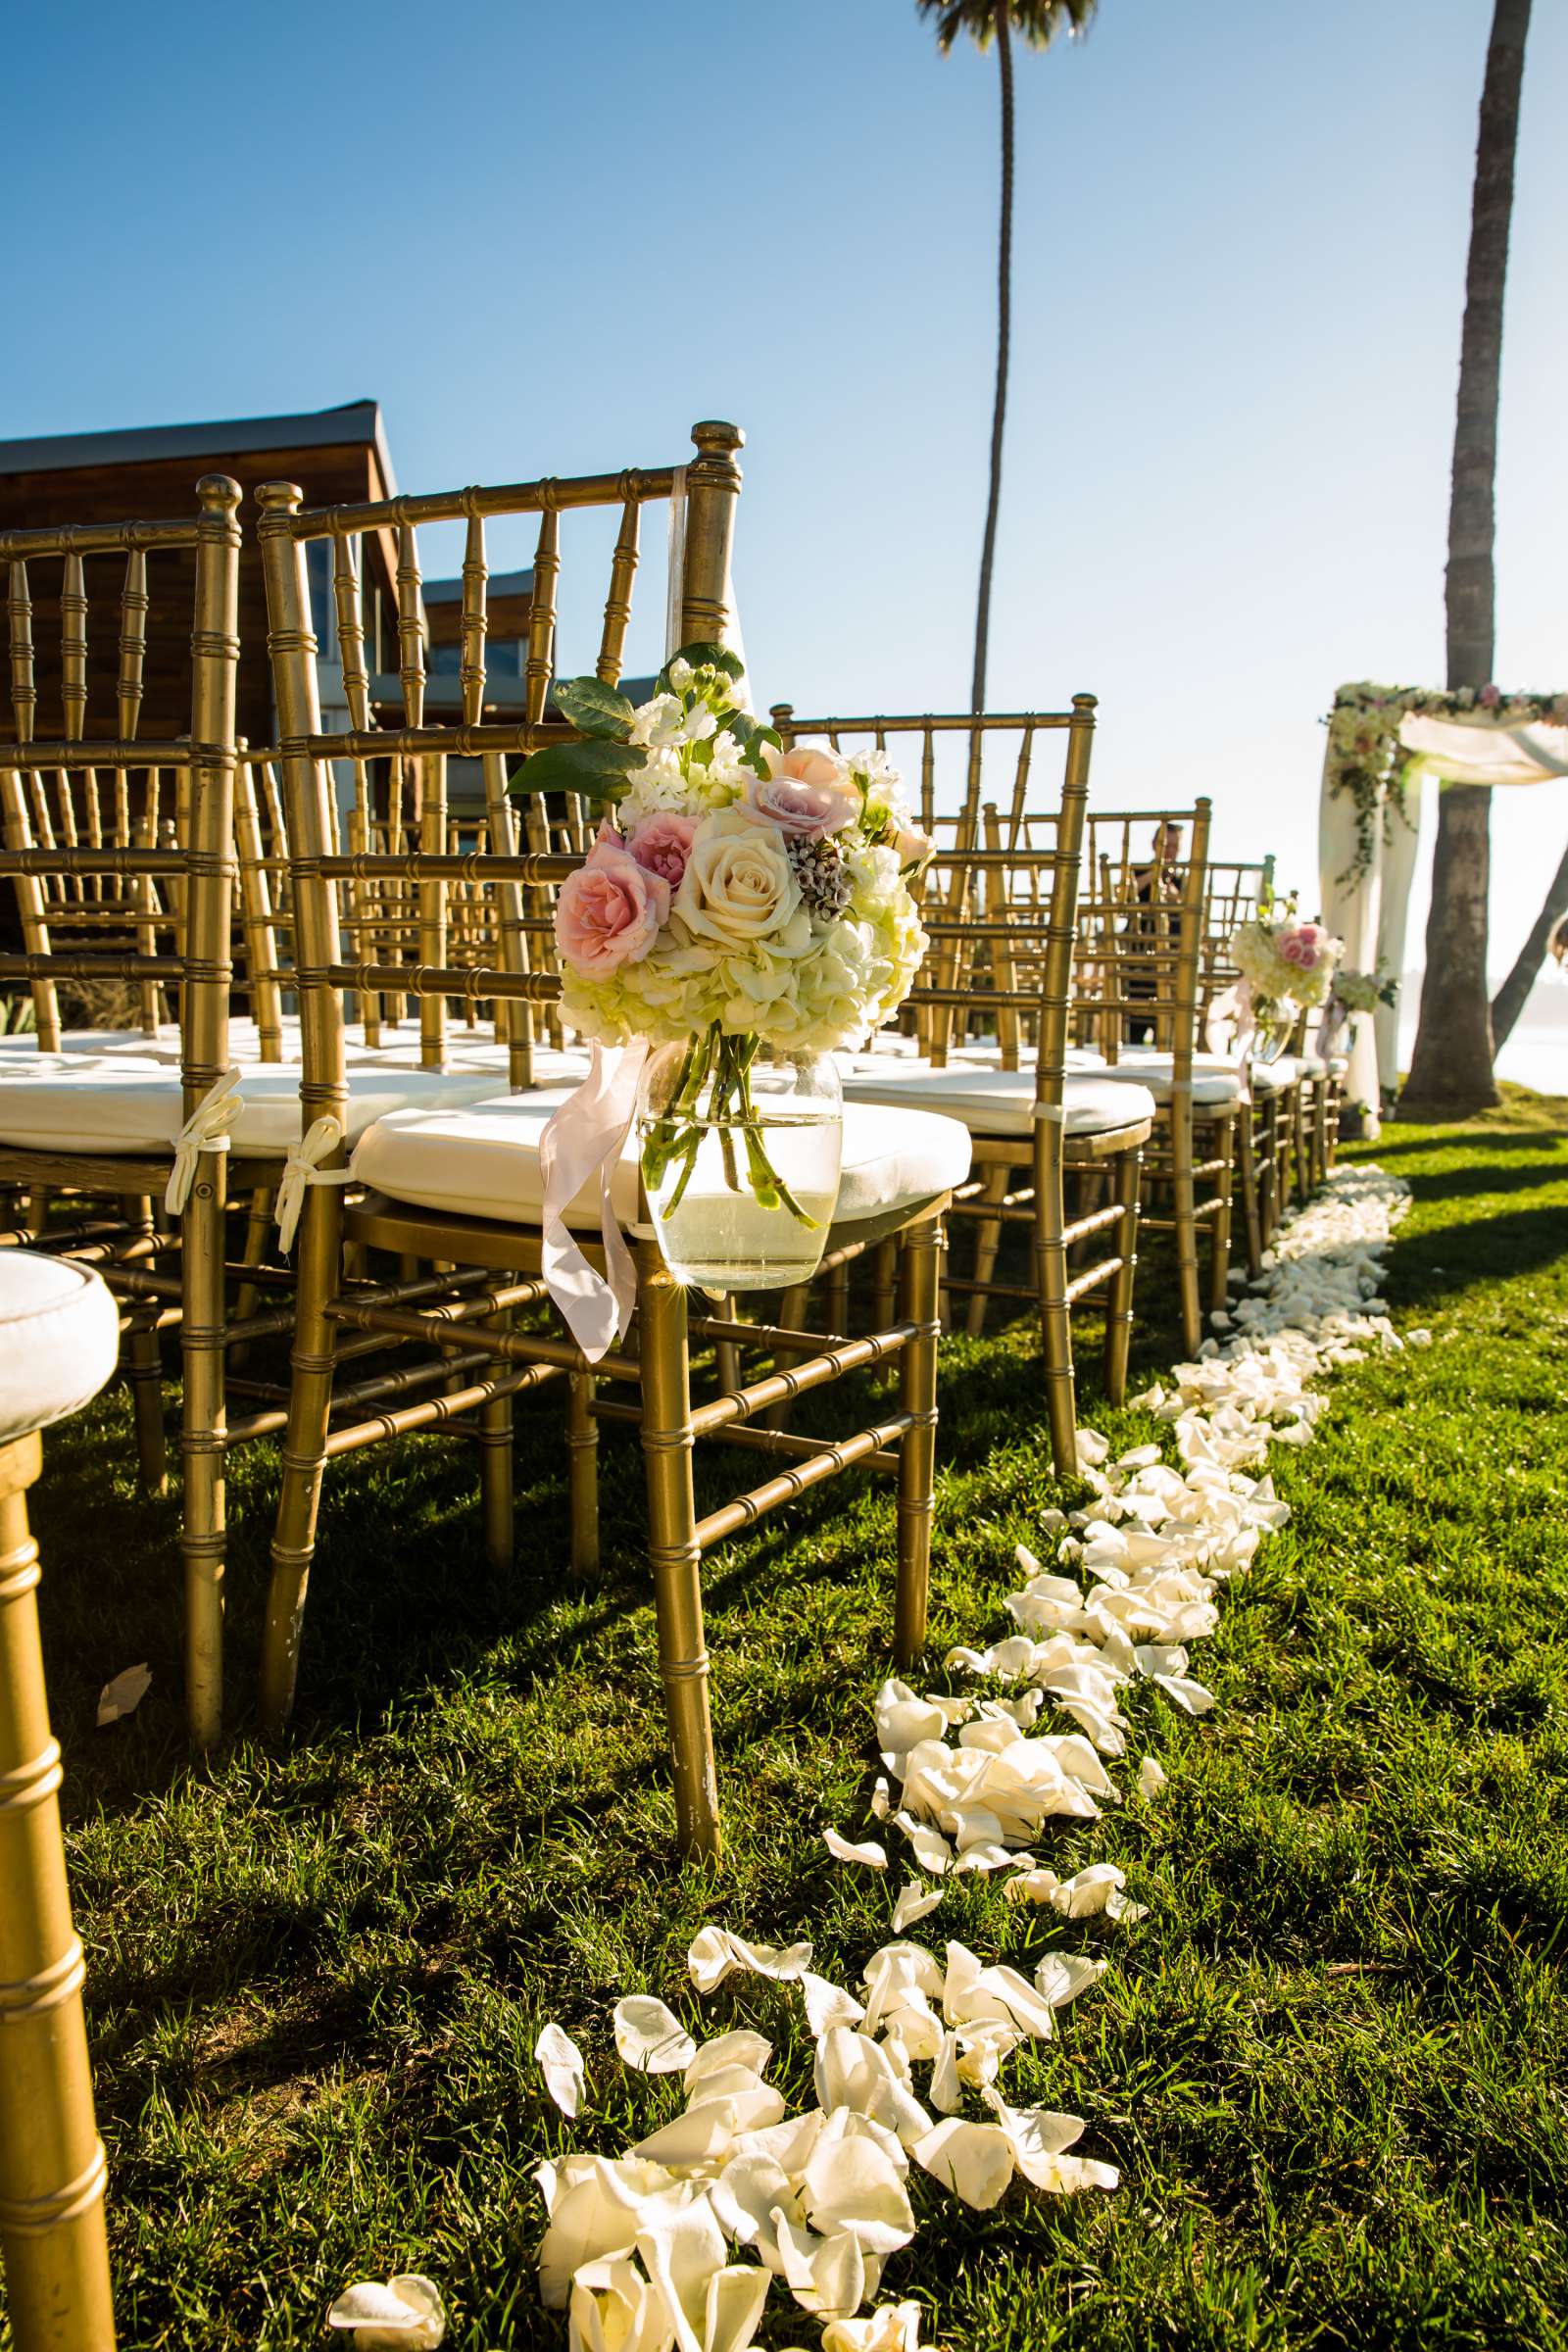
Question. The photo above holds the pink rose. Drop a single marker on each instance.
(661, 846)
(802, 793)
(912, 846)
(1303, 946)
(609, 910)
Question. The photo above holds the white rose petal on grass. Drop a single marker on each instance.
(974, 2160)
(894, 2328)
(650, 2038)
(870, 1855)
(682, 2249)
(931, 1849)
(879, 1800)
(715, 1952)
(405, 2312)
(1184, 1692)
(1039, 2138)
(915, 1902)
(852, 2184)
(828, 2005)
(1150, 1777)
(124, 1696)
(824, 2274)
(616, 2308)
(1419, 1338)
(560, 2062)
(739, 2049)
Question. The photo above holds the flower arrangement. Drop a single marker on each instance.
(1365, 757)
(1364, 992)
(1284, 959)
(737, 896)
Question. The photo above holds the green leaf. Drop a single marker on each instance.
(594, 708)
(593, 767)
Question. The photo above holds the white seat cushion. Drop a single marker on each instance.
(82, 1103)
(993, 1101)
(398, 1046)
(59, 1340)
(483, 1161)
(123, 1044)
(1216, 1083)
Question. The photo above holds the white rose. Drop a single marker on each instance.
(738, 885)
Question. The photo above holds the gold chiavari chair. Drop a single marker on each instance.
(463, 1191)
(63, 1123)
(1142, 918)
(1001, 923)
(56, 1348)
(1271, 1120)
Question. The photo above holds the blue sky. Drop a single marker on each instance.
(547, 238)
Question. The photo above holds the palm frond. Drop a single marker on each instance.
(1035, 22)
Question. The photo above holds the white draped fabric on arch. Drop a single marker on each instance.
(1383, 742)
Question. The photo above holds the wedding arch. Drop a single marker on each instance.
(1383, 742)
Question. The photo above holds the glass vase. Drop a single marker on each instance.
(739, 1150)
(1275, 1020)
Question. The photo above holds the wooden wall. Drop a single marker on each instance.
(151, 492)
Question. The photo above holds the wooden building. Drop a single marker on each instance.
(151, 473)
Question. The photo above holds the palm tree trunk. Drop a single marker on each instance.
(1509, 1002)
(988, 551)
(1450, 1070)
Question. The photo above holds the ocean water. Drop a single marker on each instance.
(1537, 1052)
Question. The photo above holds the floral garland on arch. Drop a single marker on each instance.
(1366, 759)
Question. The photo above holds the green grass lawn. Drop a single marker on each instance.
(1332, 2063)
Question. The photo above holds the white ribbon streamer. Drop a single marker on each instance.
(205, 1130)
(584, 1139)
(302, 1167)
(1231, 1026)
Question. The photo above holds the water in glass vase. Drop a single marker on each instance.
(718, 1235)
(739, 1161)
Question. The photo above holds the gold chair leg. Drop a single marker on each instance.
(884, 1282)
(1119, 1306)
(987, 1242)
(792, 1306)
(677, 1561)
(918, 1451)
(582, 1472)
(1218, 1144)
(836, 1301)
(1050, 1282)
(304, 1453)
(1184, 1218)
(726, 1355)
(202, 1444)
(144, 1368)
(495, 1438)
(1252, 1206)
(258, 1231)
(53, 2246)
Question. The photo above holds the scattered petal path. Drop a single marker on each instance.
(680, 2239)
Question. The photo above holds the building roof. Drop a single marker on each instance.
(500, 583)
(149, 444)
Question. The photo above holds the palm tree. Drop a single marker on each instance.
(1037, 24)
(1450, 1070)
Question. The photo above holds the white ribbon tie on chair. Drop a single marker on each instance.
(302, 1168)
(584, 1139)
(1230, 1028)
(205, 1130)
